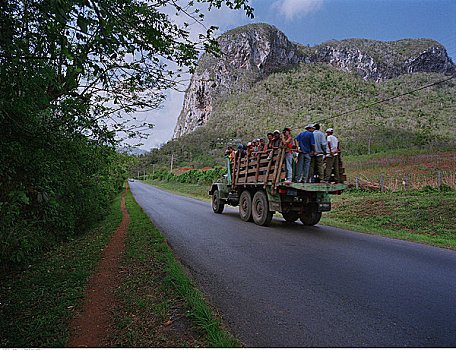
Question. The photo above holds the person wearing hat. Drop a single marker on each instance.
(240, 153)
(270, 145)
(332, 158)
(317, 161)
(306, 147)
(263, 146)
(287, 141)
(250, 148)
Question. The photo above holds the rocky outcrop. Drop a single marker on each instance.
(247, 54)
(251, 52)
(380, 68)
(434, 59)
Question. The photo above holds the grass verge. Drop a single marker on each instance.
(424, 216)
(37, 303)
(158, 304)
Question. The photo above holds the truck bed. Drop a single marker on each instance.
(309, 187)
(268, 169)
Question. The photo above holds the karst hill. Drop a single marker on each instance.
(262, 81)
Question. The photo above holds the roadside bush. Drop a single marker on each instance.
(54, 187)
(191, 176)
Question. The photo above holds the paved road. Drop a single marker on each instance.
(297, 286)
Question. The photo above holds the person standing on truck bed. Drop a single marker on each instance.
(276, 139)
(240, 153)
(249, 148)
(230, 153)
(306, 147)
(287, 140)
(275, 142)
(317, 161)
(332, 158)
(270, 136)
(263, 146)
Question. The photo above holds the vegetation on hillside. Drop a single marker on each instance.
(321, 93)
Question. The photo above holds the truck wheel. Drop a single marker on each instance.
(217, 203)
(310, 218)
(290, 216)
(260, 209)
(245, 206)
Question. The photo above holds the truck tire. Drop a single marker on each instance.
(260, 209)
(217, 203)
(310, 218)
(290, 216)
(245, 206)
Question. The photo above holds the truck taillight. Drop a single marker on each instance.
(282, 190)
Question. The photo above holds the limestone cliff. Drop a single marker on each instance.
(251, 52)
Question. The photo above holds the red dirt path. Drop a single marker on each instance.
(91, 325)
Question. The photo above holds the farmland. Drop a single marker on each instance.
(404, 169)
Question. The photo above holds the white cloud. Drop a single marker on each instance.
(292, 9)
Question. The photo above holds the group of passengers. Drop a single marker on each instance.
(317, 154)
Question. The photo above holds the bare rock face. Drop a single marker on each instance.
(251, 52)
(248, 54)
(434, 59)
(380, 61)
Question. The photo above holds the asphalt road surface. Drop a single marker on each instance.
(297, 286)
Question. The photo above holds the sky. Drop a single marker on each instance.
(315, 21)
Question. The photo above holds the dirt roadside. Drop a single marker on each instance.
(90, 326)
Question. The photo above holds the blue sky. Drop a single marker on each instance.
(315, 21)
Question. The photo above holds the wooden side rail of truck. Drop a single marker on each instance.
(256, 184)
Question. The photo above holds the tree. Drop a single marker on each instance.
(70, 73)
(108, 55)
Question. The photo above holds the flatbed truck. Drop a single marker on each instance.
(257, 185)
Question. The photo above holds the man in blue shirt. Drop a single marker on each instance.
(306, 147)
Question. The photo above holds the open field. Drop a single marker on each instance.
(404, 169)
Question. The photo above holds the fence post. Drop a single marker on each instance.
(382, 183)
(438, 179)
(356, 181)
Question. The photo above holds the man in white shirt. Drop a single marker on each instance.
(332, 158)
